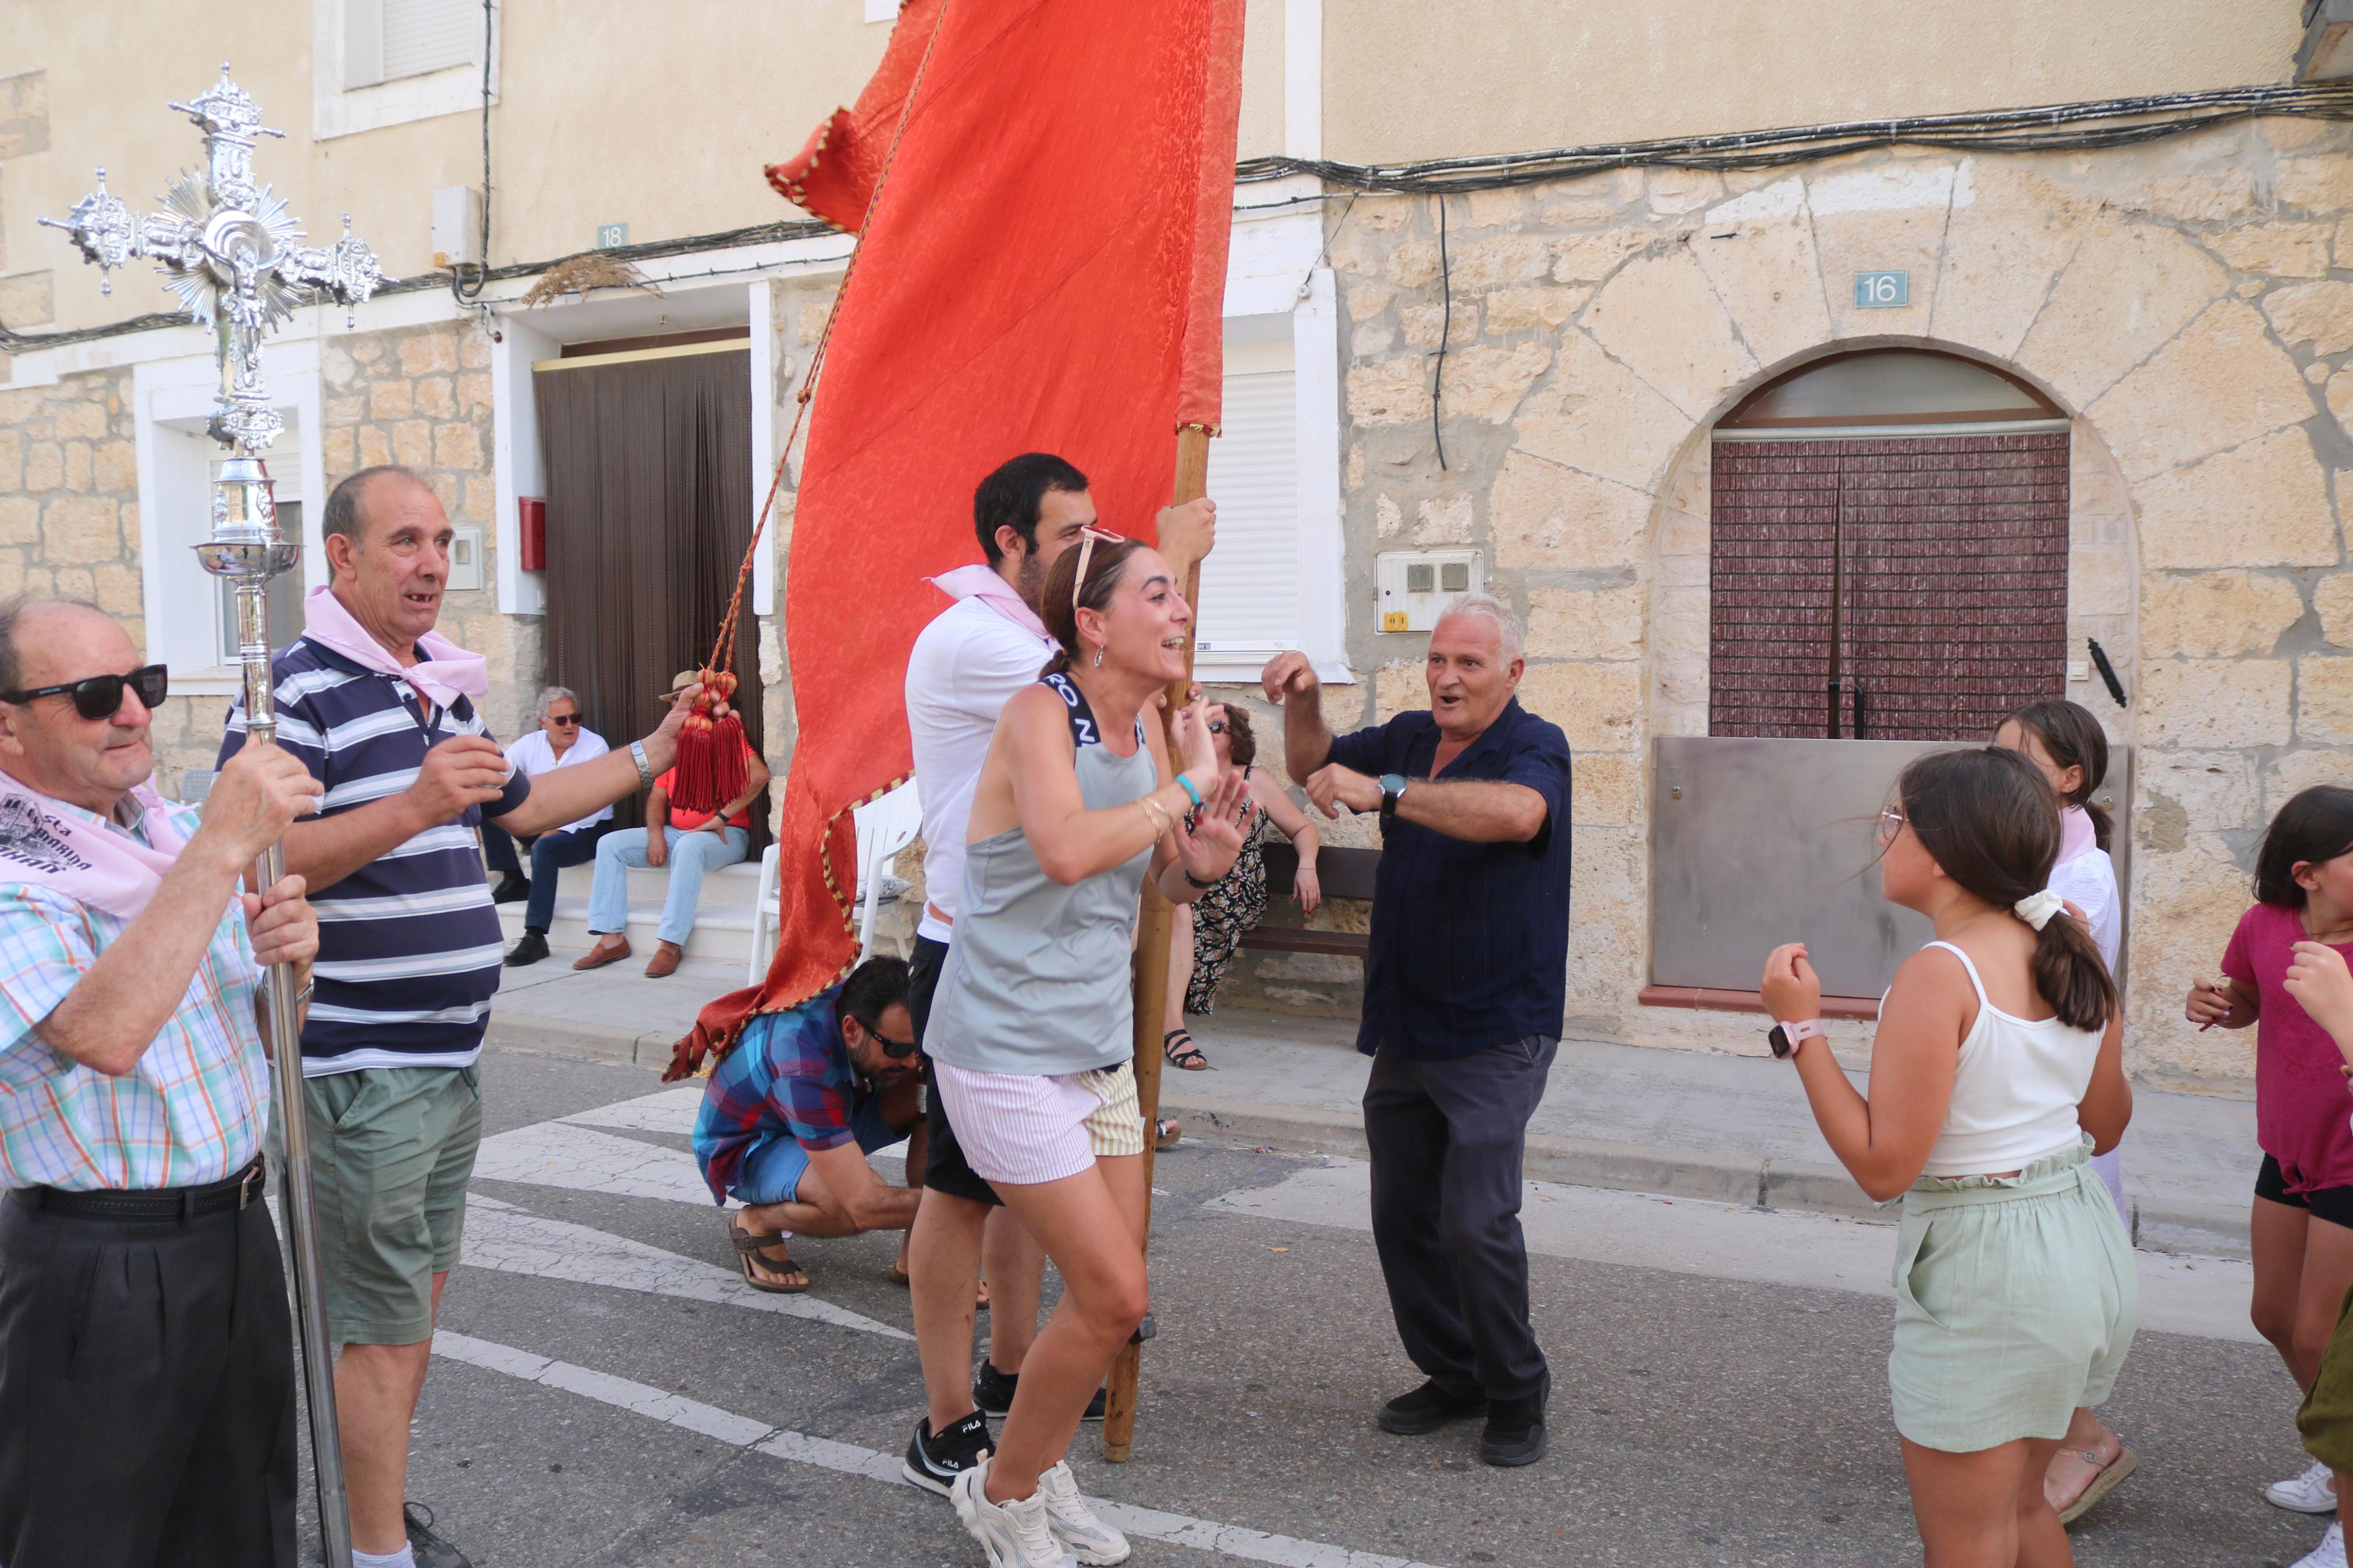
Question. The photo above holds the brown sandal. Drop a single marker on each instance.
(769, 1252)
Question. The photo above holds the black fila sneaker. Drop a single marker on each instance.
(934, 1463)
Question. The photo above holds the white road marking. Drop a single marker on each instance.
(510, 1240)
(847, 1459)
(2206, 1297)
(582, 1160)
(670, 1111)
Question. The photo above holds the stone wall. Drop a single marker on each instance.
(2188, 303)
(421, 397)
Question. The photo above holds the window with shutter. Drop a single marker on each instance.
(1250, 583)
(387, 40)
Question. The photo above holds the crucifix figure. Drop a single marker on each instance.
(227, 246)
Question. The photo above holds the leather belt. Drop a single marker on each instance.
(182, 1203)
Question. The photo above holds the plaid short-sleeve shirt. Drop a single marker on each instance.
(789, 1074)
(194, 1109)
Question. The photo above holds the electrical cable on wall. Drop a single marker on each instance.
(2055, 128)
(1445, 332)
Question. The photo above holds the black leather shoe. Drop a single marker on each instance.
(1427, 1408)
(1515, 1429)
(531, 949)
(511, 890)
(432, 1551)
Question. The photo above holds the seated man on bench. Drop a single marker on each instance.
(791, 1112)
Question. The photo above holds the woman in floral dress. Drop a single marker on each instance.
(1208, 932)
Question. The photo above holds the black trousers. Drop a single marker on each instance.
(944, 1170)
(1448, 1140)
(146, 1393)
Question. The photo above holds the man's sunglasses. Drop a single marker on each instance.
(897, 1050)
(100, 696)
(566, 720)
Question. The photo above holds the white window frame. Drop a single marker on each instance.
(339, 110)
(170, 399)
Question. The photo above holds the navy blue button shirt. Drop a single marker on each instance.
(1469, 942)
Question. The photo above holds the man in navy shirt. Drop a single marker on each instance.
(1466, 983)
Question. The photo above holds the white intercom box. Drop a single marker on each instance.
(465, 561)
(1416, 586)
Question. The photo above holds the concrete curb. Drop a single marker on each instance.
(2196, 1230)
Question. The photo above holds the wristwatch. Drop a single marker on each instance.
(1392, 791)
(645, 767)
(1785, 1038)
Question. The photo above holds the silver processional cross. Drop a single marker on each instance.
(227, 247)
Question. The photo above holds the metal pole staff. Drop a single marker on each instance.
(1154, 932)
(227, 247)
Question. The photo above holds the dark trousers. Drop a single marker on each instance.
(1448, 1140)
(146, 1393)
(550, 853)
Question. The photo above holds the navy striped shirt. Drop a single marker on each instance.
(409, 945)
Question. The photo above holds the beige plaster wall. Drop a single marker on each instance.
(2188, 303)
(608, 112)
(1404, 79)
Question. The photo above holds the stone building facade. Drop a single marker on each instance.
(2186, 304)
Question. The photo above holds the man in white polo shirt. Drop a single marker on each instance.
(965, 667)
(561, 741)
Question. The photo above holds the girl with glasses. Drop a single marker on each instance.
(1031, 1032)
(1996, 1072)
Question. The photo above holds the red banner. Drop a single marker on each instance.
(1046, 189)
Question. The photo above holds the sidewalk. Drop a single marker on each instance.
(1724, 1128)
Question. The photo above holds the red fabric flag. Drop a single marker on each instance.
(1042, 272)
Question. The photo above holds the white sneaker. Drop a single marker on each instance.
(2329, 1553)
(1014, 1534)
(2311, 1493)
(1075, 1524)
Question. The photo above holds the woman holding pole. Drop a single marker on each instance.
(1031, 1034)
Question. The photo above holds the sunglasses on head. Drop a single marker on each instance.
(100, 696)
(1087, 540)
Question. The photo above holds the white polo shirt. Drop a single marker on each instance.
(966, 668)
(533, 756)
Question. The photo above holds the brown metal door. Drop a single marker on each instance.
(1927, 575)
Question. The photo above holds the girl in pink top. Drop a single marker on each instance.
(2302, 1229)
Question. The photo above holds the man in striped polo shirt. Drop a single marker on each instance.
(381, 707)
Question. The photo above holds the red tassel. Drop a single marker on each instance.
(710, 770)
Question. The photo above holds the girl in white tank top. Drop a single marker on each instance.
(1996, 1072)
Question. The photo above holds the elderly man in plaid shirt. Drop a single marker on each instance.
(147, 1363)
(792, 1112)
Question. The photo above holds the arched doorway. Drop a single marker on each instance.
(1889, 550)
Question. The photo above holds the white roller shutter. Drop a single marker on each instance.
(421, 35)
(1250, 583)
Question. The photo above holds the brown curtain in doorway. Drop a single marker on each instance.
(649, 470)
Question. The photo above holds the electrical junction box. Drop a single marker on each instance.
(1415, 588)
(456, 225)
(465, 561)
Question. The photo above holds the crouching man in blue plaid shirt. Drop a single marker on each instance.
(147, 1360)
(793, 1108)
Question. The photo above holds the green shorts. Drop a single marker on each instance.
(2015, 1303)
(391, 1152)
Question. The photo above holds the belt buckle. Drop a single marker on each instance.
(252, 1186)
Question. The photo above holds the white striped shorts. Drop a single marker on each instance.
(1027, 1128)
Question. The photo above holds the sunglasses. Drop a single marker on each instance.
(897, 1050)
(100, 696)
(566, 720)
(1087, 539)
(1217, 726)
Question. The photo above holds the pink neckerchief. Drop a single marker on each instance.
(447, 673)
(983, 584)
(45, 843)
(2076, 834)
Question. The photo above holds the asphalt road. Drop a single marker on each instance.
(606, 1393)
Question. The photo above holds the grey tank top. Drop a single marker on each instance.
(1036, 977)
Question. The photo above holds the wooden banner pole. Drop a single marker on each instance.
(1152, 935)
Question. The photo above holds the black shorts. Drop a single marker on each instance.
(2334, 1205)
(944, 1170)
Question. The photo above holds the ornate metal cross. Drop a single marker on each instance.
(228, 250)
